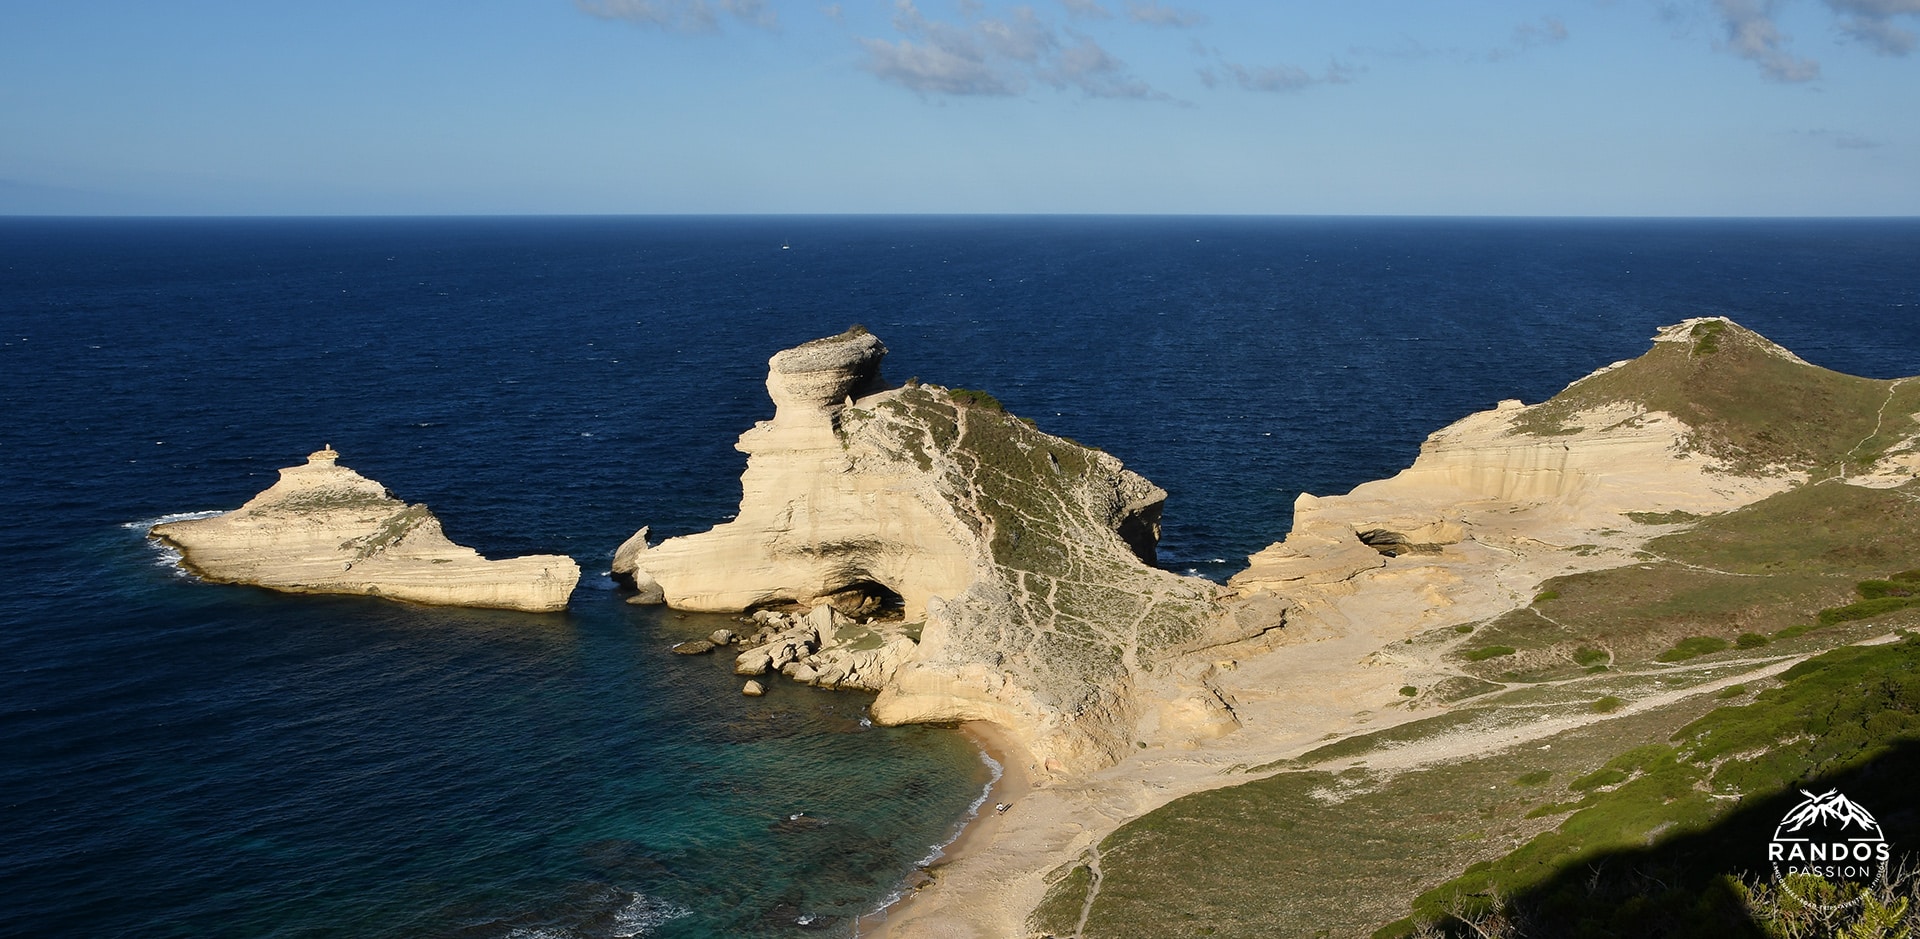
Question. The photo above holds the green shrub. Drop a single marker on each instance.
(1865, 609)
(1546, 595)
(1534, 778)
(1731, 691)
(1691, 647)
(1598, 778)
(1794, 632)
(1662, 518)
(1488, 652)
(1911, 576)
(1463, 628)
(972, 398)
(1706, 336)
(1588, 655)
(1875, 589)
(1607, 705)
(1750, 641)
(1408, 691)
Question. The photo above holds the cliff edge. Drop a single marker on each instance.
(972, 566)
(324, 528)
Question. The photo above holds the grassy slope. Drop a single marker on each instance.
(1308, 851)
(1748, 404)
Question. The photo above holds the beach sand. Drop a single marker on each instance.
(978, 840)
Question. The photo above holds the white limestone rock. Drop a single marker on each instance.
(1020, 552)
(324, 528)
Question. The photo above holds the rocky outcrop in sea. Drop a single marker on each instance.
(324, 528)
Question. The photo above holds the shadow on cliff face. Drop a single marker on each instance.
(1686, 884)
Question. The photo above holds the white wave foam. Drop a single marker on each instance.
(146, 523)
(166, 555)
(995, 771)
(538, 932)
(643, 914)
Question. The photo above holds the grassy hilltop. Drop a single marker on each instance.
(1702, 682)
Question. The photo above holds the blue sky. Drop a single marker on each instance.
(1581, 107)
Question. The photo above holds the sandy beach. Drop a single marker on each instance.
(979, 836)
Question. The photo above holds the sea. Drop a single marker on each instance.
(183, 759)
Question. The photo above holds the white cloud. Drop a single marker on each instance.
(995, 55)
(931, 68)
(1753, 35)
(1871, 22)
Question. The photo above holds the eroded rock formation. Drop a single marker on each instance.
(1005, 563)
(324, 528)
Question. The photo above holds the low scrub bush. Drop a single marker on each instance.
(1693, 646)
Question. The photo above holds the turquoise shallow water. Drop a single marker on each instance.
(186, 760)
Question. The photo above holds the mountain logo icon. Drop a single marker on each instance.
(1832, 837)
(1826, 816)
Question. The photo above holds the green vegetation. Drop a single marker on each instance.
(335, 500)
(1865, 609)
(1644, 842)
(970, 398)
(1751, 407)
(1706, 336)
(1073, 610)
(391, 532)
(1610, 776)
(1487, 652)
(1674, 517)
(1408, 691)
(1693, 647)
(1321, 850)
(1832, 715)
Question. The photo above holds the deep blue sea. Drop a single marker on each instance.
(180, 759)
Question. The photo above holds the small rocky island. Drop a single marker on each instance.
(324, 528)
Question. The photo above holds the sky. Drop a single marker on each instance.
(1364, 107)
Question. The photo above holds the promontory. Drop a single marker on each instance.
(324, 528)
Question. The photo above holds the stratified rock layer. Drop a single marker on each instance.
(324, 528)
(1016, 553)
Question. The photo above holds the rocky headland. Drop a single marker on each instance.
(323, 528)
(1130, 687)
(921, 542)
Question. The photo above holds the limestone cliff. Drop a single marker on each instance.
(1713, 417)
(324, 528)
(1014, 558)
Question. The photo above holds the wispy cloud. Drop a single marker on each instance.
(996, 56)
(1843, 140)
(1752, 34)
(1871, 22)
(1152, 13)
(685, 16)
(1547, 31)
(1274, 78)
(1087, 9)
